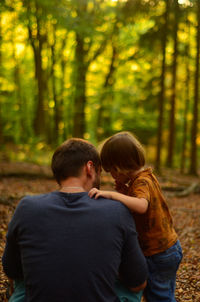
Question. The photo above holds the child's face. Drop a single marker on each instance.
(119, 176)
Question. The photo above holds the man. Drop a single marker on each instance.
(69, 247)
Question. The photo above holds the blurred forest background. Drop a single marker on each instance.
(90, 68)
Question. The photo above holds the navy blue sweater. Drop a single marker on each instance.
(70, 248)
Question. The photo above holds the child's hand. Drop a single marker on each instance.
(99, 193)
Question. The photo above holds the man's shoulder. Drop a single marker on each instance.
(117, 213)
(35, 199)
(32, 197)
(109, 203)
(112, 208)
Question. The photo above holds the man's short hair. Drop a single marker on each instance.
(69, 158)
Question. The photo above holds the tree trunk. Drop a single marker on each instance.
(193, 156)
(187, 100)
(172, 125)
(162, 90)
(65, 129)
(20, 134)
(39, 121)
(82, 63)
(37, 45)
(80, 89)
(55, 96)
(104, 112)
(1, 120)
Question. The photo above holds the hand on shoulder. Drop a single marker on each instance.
(95, 193)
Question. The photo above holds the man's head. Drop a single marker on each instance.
(72, 156)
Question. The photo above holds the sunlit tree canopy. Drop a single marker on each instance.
(90, 68)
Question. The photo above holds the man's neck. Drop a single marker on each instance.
(72, 185)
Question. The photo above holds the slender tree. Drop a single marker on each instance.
(80, 87)
(1, 121)
(193, 156)
(63, 63)
(82, 63)
(172, 125)
(105, 102)
(19, 99)
(187, 98)
(57, 118)
(57, 42)
(162, 88)
(37, 40)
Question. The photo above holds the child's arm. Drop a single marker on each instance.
(138, 205)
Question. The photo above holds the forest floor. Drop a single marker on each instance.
(185, 212)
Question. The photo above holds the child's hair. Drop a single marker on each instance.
(123, 152)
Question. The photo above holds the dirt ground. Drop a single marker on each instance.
(185, 212)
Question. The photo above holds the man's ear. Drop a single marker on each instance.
(89, 167)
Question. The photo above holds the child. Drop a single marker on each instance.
(138, 189)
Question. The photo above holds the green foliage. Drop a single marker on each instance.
(115, 46)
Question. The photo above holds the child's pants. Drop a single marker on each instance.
(162, 267)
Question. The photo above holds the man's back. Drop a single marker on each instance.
(72, 248)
